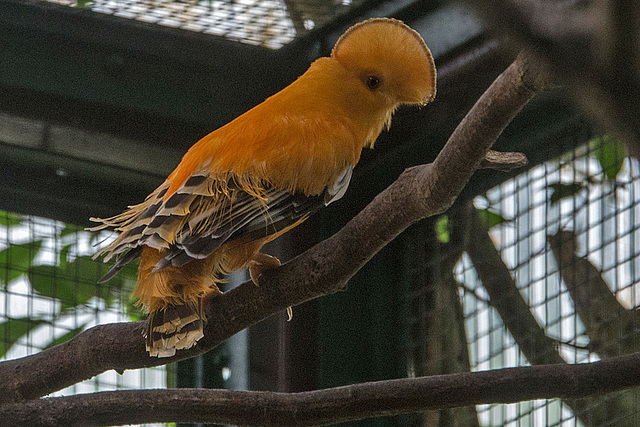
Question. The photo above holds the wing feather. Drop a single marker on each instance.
(206, 212)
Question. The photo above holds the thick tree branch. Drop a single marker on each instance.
(447, 351)
(418, 193)
(330, 405)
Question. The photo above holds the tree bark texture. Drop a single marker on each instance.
(327, 406)
(611, 328)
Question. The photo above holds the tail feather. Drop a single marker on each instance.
(175, 327)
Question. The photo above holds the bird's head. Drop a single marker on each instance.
(390, 59)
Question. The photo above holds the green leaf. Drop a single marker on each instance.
(47, 281)
(69, 229)
(560, 190)
(610, 154)
(11, 330)
(64, 254)
(134, 311)
(66, 337)
(8, 219)
(82, 3)
(491, 218)
(16, 259)
(73, 283)
(442, 229)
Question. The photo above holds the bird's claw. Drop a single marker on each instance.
(261, 263)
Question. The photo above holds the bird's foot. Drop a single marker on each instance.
(214, 291)
(261, 263)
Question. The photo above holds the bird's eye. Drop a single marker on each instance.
(372, 82)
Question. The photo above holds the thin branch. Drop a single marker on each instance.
(503, 161)
(571, 343)
(332, 405)
(418, 193)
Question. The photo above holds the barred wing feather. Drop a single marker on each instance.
(204, 213)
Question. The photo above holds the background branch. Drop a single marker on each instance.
(448, 351)
(504, 295)
(418, 193)
(516, 314)
(330, 405)
(611, 328)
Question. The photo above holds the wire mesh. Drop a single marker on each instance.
(268, 23)
(566, 233)
(546, 268)
(50, 293)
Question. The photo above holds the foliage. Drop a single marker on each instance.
(442, 229)
(491, 218)
(561, 190)
(11, 330)
(442, 226)
(15, 260)
(71, 281)
(8, 219)
(610, 154)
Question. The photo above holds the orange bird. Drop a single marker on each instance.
(262, 174)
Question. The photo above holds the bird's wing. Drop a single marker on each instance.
(205, 212)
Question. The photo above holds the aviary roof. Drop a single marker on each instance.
(269, 23)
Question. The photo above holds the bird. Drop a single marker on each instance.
(262, 174)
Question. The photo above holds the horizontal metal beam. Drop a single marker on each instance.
(135, 79)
